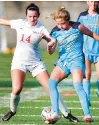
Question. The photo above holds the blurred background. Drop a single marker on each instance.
(16, 10)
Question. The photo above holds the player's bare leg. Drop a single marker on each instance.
(97, 73)
(17, 84)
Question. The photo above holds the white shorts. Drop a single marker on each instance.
(35, 70)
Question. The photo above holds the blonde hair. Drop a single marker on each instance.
(61, 13)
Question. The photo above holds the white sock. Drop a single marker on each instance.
(14, 101)
(63, 107)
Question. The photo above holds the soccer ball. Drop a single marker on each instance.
(47, 114)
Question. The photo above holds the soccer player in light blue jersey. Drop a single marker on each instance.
(27, 58)
(90, 19)
(69, 37)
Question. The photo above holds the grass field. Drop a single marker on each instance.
(34, 99)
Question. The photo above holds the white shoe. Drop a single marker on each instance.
(53, 117)
(88, 118)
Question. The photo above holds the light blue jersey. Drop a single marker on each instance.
(70, 45)
(91, 46)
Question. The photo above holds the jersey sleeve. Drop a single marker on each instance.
(53, 32)
(54, 35)
(15, 23)
(79, 18)
(45, 31)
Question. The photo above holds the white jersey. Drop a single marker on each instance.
(28, 38)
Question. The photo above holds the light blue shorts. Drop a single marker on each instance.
(68, 67)
(91, 58)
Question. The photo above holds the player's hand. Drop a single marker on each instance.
(51, 46)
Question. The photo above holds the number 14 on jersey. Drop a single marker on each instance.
(27, 39)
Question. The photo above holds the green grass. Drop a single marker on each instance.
(29, 110)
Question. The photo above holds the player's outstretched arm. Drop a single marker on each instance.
(47, 38)
(4, 22)
(88, 32)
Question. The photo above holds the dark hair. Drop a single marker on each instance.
(32, 6)
(97, 9)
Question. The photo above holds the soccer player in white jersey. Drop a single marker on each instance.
(27, 57)
(90, 19)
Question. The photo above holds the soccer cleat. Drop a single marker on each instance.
(8, 116)
(97, 93)
(88, 118)
(53, 117)
(71, 118)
